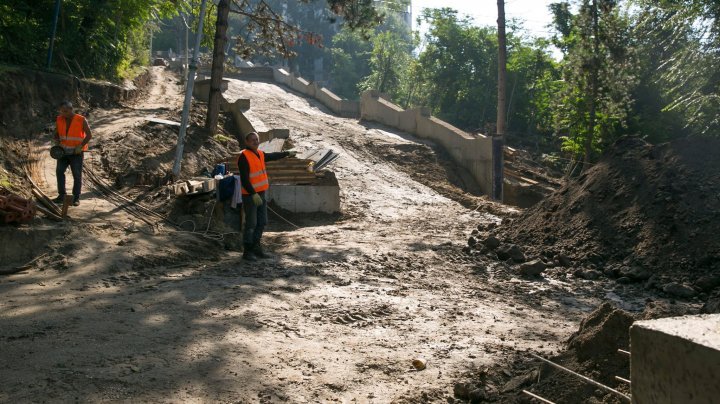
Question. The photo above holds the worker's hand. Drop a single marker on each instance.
(257, 200)
(78, 149)
(292, 153)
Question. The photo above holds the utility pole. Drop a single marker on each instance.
(188, 94)
(498, 139)
(53, 32)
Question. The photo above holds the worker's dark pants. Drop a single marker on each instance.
(255, 219)
(75, 161)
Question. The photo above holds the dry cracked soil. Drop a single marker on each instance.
(122, 311)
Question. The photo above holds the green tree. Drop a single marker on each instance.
(592, 106)
(95, 38)
(456, 75)
(459, 66)
(349, 63)
(680, 45)
(357, 55)
(389, 61)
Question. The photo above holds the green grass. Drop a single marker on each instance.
(5, 183)
(221, 138)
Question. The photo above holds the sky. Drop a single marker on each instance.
(534, 13)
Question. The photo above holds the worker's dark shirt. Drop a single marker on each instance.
(244, 168)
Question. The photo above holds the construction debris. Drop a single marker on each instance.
(321, 158)
(14, 208)
(194, 186)
(152, 119)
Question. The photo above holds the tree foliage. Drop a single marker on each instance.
(681, 44)
(593, 103)
(97, 38)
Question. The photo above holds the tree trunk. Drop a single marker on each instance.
(218, 64)
(498, 141)
(593, 87)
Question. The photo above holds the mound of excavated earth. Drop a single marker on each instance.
(643, 213)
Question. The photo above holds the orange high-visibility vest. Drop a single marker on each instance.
(258, 173)
(71, 137)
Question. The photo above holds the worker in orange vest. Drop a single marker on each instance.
(254, 180)
(73, 134)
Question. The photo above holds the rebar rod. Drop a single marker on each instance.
(622, 379)
(535, 396)
(585, 378)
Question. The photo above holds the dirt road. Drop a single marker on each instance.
(123, 312)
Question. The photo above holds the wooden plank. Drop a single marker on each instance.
(66, 203)
(520, 177)
(152, 119)
(288, 170)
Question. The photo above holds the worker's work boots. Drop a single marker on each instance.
(258, 251)
(248, 254)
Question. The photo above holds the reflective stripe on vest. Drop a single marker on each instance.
(258, 173)
(74, 136)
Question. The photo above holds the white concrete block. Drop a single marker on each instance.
(676, 360)
(306, 198)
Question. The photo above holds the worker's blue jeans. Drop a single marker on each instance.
(256, 218)
(75, 161)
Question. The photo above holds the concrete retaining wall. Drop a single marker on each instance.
(676, 360)
(201, 89)
(474, 153)
(306, 198)
(247, 122)
(339, 106)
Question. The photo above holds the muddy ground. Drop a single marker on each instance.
(119, 310)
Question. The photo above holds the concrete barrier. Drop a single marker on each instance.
(474, 153)
(676, 360)
(306, 198)
(247, 122)
(339, 106)
(201, 89)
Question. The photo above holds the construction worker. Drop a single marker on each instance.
(73, 134)
(254, 179)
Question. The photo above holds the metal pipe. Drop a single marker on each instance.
(188, 94)
(586, 379)
(53, 32)
(535, 396)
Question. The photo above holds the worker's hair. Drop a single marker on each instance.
(250, 134)
(66, 104)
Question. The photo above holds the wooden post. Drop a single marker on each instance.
(66, 203)
(498, 139)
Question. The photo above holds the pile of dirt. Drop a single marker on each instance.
(30, 97)
(434, 168)
(144, 155)
(642, 214)
(592, 351)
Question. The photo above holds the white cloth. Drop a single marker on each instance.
(237, 195)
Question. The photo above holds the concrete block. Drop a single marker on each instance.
(306, 198)
(18, 245)
(201, 89)
(676, 360)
